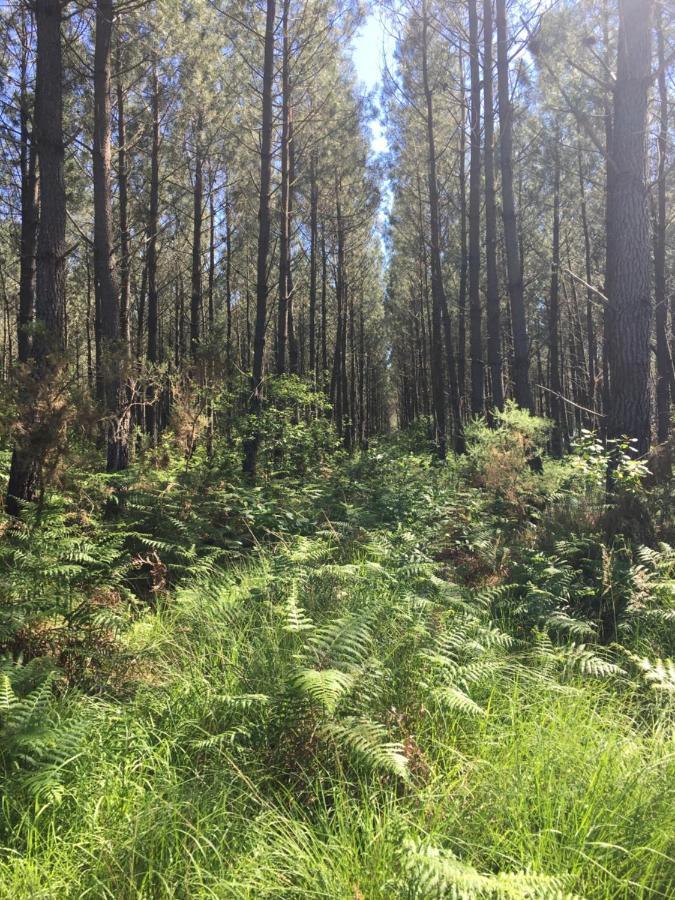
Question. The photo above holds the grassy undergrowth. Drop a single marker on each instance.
(404, 695)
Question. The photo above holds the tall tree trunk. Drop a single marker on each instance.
(29, 206)
(494, 350)
(140, 325)
(284, 230)
(628, 256)
(251, 443)
(521, 351)
(293, 354)
(228, 282)
(351, 425)
(663, 361)
(49, 339)
(324, 305)
(313, 240)
(554, 314)
(440, 318)
(113, 348)
(464, 260)
(591, 340)
(475, 316)
(123, 185)
(152, 412)
(196, 270)
(336, 392)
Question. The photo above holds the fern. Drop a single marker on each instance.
(296, 619)
(34, 745)
(433, 873)
(453, 698)
(658, 674)
(580, 658)
(367, 741)
(322, 687)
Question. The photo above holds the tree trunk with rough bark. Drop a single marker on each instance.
(494, 351)
(628, 252)
(49, 337)
(475, 312)
(521, 350)
(252, 441)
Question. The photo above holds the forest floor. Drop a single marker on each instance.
(404, 694)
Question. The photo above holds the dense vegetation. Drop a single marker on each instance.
(395, 679)
(337, 547)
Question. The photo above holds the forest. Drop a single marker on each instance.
(337, 522)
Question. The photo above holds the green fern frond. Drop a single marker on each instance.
(579, 658)
(345, 642)
(296, 619)
(452, 697)
(323, 687)
(433, 873)
(562, 622)
(659, 674)
(8, 699)
(368, 742)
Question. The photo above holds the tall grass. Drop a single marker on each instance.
(230, 774)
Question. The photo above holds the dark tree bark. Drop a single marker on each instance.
(29, 207)
(113, 348)
(152, 417)
(313, 242)
(196, 269)
(440, 317)
(475, 314)
(628, 256)
(212, 266)
(285, 223)
(336, 391)
(49, 337)
(251, 443)
(494, 350)
(663, 361)
(324, 306)
(590, 326)
(123, 185)
(293, 350)
(228, 281)
(554, 315)
(521, 351)
(464, 260)
(140, 325)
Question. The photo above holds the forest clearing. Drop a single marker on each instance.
(337, 540)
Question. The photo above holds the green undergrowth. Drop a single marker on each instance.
(407, 692)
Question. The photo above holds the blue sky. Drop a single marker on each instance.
(370, 43)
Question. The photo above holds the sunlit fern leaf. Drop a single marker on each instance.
(416, 569)
(340, 573)
(296, 619)
(323, 687)
(377, 569)
(659, 674)
(8, 698)
(449, 696)
(345, 641)
(442, 660)
(433, 873)
(30, 709)
(239, 734)
(367, 741)
(480, 670)
(580, 658)
(561, 622)
(308, 551)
